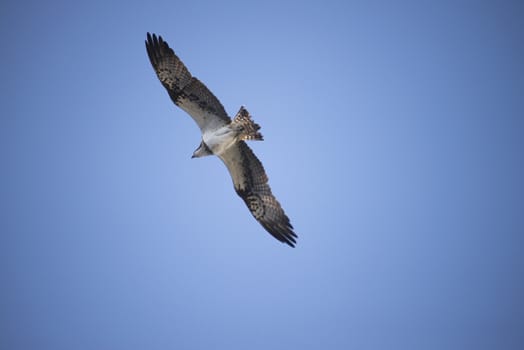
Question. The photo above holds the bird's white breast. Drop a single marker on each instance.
(220, 140)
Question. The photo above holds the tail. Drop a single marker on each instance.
(248, 129)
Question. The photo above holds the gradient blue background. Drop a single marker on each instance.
(394, 138)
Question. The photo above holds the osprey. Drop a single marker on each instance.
(222, 137)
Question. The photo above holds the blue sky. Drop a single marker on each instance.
(393, 139)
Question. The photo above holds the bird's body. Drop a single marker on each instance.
(241, 128)
(220, 140)
(222, 137)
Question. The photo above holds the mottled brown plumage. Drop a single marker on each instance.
(186, 91)
(247, 128)
(251, 184)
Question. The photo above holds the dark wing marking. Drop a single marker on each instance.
(251, 184)
(186, 91)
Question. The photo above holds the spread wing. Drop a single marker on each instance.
(186, 91)
(250, 181)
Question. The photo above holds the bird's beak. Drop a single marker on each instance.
(193, 156)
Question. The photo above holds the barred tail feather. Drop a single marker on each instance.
(247, 127)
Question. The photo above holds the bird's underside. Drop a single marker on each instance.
(222, 137)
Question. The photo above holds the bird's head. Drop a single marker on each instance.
(202, 151)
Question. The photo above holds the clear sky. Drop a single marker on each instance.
(394, 138)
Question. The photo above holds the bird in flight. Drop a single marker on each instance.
(222, 137)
